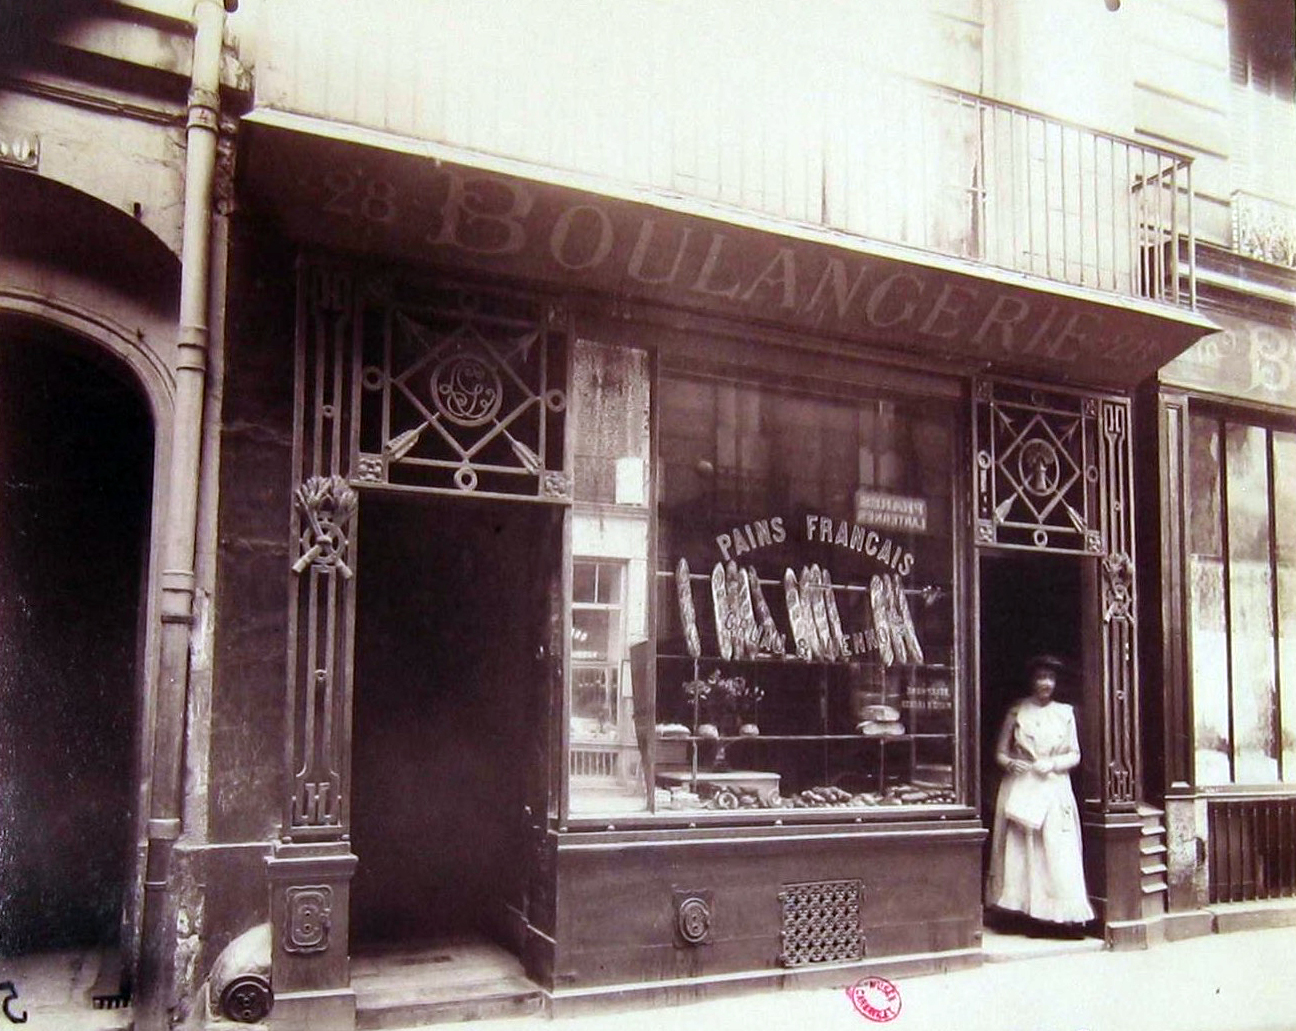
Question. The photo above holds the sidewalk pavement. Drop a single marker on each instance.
(1244, 981)
(1221, 982)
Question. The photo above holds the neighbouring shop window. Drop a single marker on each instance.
(1242, 540)
(610, 411)
(804, 600)
(600, 723)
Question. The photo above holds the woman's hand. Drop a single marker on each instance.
(1018, 766)
(1042, 766)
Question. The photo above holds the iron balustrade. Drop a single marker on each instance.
(1251, 847)
(914, 163)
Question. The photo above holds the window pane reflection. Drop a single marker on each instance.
(1284, 446)
(1251, 606)
(1210, 636)
(1242, 575)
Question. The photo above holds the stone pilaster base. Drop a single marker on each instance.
(310, 899)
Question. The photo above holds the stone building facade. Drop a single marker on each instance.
(588, 483)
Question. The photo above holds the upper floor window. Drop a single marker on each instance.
(1262, 45)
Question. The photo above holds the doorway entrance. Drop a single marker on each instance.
(1032, 603)
(76, 467)
(450, 680)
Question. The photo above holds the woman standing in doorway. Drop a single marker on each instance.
(1036, 868)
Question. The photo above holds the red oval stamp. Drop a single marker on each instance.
(875, 998)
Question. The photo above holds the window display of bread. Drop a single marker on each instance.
(720, 603)
(802, 633)
(834, 615)
(895, 622)
(770, 638)
(746, 632)
(906, 618)
(881, 728)
(688, 617)
(812, 595)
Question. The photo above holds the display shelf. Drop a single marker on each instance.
(796, 662)
(730, 738)
(808, 709)
(926, 590)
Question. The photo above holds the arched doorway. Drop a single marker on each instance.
(76, 468)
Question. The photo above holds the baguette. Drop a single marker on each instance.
(910, 631)
(797, 616)
(834, 617)
(688, 616)
(720, 601)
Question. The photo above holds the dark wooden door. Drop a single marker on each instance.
(451, 620)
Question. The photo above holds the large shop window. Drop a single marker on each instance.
(1242, 537)
(606, 763)
(803, 605)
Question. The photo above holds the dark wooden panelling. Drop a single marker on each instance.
(616, 918)
(1112, 869)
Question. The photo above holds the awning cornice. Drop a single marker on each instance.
(361, 190)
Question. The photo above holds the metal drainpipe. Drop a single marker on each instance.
(155, 981)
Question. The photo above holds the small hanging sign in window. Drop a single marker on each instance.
(890, 511)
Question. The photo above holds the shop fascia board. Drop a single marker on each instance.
(365, 191)
(1252, 358)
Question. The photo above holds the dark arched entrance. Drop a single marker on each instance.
(76, 465)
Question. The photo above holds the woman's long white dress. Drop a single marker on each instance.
(1036, 866)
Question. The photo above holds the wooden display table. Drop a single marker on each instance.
(759, 781)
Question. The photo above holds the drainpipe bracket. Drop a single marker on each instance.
(204, 109)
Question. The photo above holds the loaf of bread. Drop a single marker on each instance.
(688, 616)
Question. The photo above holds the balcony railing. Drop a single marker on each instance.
(918, 164)
(811, 132)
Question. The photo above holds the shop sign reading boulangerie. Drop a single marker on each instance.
(643, 247)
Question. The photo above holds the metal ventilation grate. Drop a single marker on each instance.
(821, 922)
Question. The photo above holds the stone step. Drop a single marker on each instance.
(440, 983)
(1153, 823)
(412, 1007)
(1153, 905)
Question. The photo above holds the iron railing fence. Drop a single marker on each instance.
(1251, 849)
(910, 162)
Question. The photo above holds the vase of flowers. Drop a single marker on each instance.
(723, 707)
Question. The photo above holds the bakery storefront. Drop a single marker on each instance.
(659, 580)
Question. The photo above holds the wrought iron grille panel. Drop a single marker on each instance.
(460, 391)
(1053, 473)
(414, 386)
(1037, 468)
(321, 603)
(821, 922)
(1252, 849)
